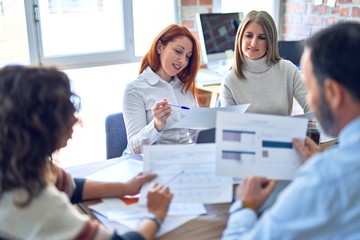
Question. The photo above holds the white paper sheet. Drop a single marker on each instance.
(120, 172)
(116, 209)
(205, 118)
(197, 183)
(112, 210)
(170, 223)
(258, 145)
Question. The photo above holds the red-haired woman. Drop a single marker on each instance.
(166, 77)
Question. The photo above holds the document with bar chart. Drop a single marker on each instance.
(258, 145)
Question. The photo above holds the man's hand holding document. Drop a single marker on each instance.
(258, 145)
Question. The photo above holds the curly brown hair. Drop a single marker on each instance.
(37, 110)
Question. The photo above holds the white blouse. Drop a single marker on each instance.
(140, 97)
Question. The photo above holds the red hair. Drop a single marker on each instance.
(169, 34)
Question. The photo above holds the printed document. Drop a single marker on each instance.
(115, 213)
(130, 215)
(190, 172)
(258, 145)
(205, 118)
(120, 172)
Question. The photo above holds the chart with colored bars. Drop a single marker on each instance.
(257, 145)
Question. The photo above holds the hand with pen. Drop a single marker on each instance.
(159, 198)
(158, 201)
(161, 112)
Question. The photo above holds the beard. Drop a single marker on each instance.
(325, 116)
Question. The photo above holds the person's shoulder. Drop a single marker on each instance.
(229, 76)
(335, 169)
(286, 64)
(47, 197)
(51, 193)
(137, 83)
(286, 67)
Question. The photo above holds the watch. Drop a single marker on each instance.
(154, 218)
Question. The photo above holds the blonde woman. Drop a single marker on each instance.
(259, 76)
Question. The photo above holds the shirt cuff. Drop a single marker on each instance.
(236, 206)
(240, 221)
(77, 194)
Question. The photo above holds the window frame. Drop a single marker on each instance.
(82, 60)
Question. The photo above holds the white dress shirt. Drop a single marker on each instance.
(140, 97)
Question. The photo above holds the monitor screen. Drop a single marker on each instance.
(217, 33)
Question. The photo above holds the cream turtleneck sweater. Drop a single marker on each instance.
(269, 89)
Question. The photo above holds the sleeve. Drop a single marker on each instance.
(304, 210)
(193, 133)
(300, 92)
(240, 221)
(78, 192)
(226, 94)
(64, 181)
(72, 187)
(138, 130)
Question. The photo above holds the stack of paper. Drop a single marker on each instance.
(127, 211)
(189, 171)
(116, 210)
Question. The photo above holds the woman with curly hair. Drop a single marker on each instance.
(37, 115)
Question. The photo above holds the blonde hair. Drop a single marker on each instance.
(266, 21)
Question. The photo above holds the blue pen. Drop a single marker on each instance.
(174, 105)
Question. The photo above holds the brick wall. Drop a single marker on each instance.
(301, 18)
(188, 10)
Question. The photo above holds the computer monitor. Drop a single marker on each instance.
(217, 33)
(291, 50)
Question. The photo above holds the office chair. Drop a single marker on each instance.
(206, 136)
(116, 138)
(291, 50)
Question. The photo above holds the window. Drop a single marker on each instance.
(13, 35)
(81, 33)
(150, 17)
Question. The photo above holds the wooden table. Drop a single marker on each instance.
(213, 94)
(208, 87)
(204, 227)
